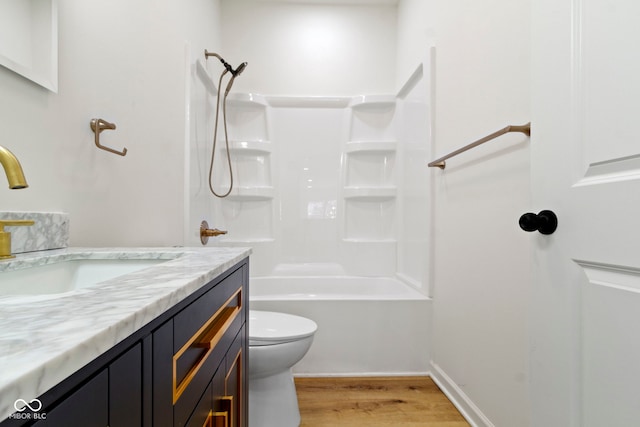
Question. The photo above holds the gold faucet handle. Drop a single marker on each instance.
(14, 223)
(206, 232)
(5, 236)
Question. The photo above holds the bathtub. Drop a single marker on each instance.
(366, 326)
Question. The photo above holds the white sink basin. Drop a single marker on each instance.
(69, 275)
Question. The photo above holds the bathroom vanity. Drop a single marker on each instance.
(166, 345)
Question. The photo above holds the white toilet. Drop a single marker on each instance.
(277, 341)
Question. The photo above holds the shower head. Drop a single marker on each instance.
(235, 73)
(239, 70)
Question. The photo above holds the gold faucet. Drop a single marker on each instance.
(5, 236)
(16, 179)
(12, 168)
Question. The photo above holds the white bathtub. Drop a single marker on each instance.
(366, 326)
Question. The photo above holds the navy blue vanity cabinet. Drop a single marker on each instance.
(88, 406)
(202, 337)
(187, 367)
(125, 389)
(112, 397)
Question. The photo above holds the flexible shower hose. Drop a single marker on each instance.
(226, 139)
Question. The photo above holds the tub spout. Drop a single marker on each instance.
(12, 169)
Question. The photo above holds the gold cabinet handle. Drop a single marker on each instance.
(219, 327)
(216, 419)
(206, 232)
(206, 337)
(222, 418)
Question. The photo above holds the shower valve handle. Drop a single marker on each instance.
(544, 222)
(206, 232)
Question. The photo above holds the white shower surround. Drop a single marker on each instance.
(339, 181)
(332, 192)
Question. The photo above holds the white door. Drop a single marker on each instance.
(585, 142)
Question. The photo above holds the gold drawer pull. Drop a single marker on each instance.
(206, 337)
(217, 419)
(221, 418)
(218, 328)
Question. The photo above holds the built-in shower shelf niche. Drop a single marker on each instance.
(370, 165)
(370, 147)
(251, 193)
(251, 162)
(373, 194)
(366, 102)
(250, 170)
(247, 117)
(369, 189)
(372, 118)
(248, 212)
(250, 147)
(238, 99)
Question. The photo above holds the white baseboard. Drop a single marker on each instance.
(460, 400)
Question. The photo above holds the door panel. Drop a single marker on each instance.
(611, 347)
(586, 168)
(609, 74)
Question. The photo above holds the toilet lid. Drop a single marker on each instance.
(271, 327)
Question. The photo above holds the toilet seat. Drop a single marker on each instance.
(270, 328)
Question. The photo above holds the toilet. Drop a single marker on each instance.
(277, 341)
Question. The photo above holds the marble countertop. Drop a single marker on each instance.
(46, 338)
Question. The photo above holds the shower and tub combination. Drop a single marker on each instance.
(332, 194)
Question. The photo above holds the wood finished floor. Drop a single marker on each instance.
(375, 402)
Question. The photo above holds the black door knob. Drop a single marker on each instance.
(545, 222)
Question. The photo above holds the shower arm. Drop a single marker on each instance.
(207, 54)
(229, 68)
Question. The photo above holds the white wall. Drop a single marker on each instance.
(123, 62)
(311, 49)
(481, 268)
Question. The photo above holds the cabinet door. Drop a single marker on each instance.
(203, 412)
(235, 385)
(125, 389)
(162, 402)
(86, 407)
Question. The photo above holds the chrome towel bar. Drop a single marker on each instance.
(441, 162)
